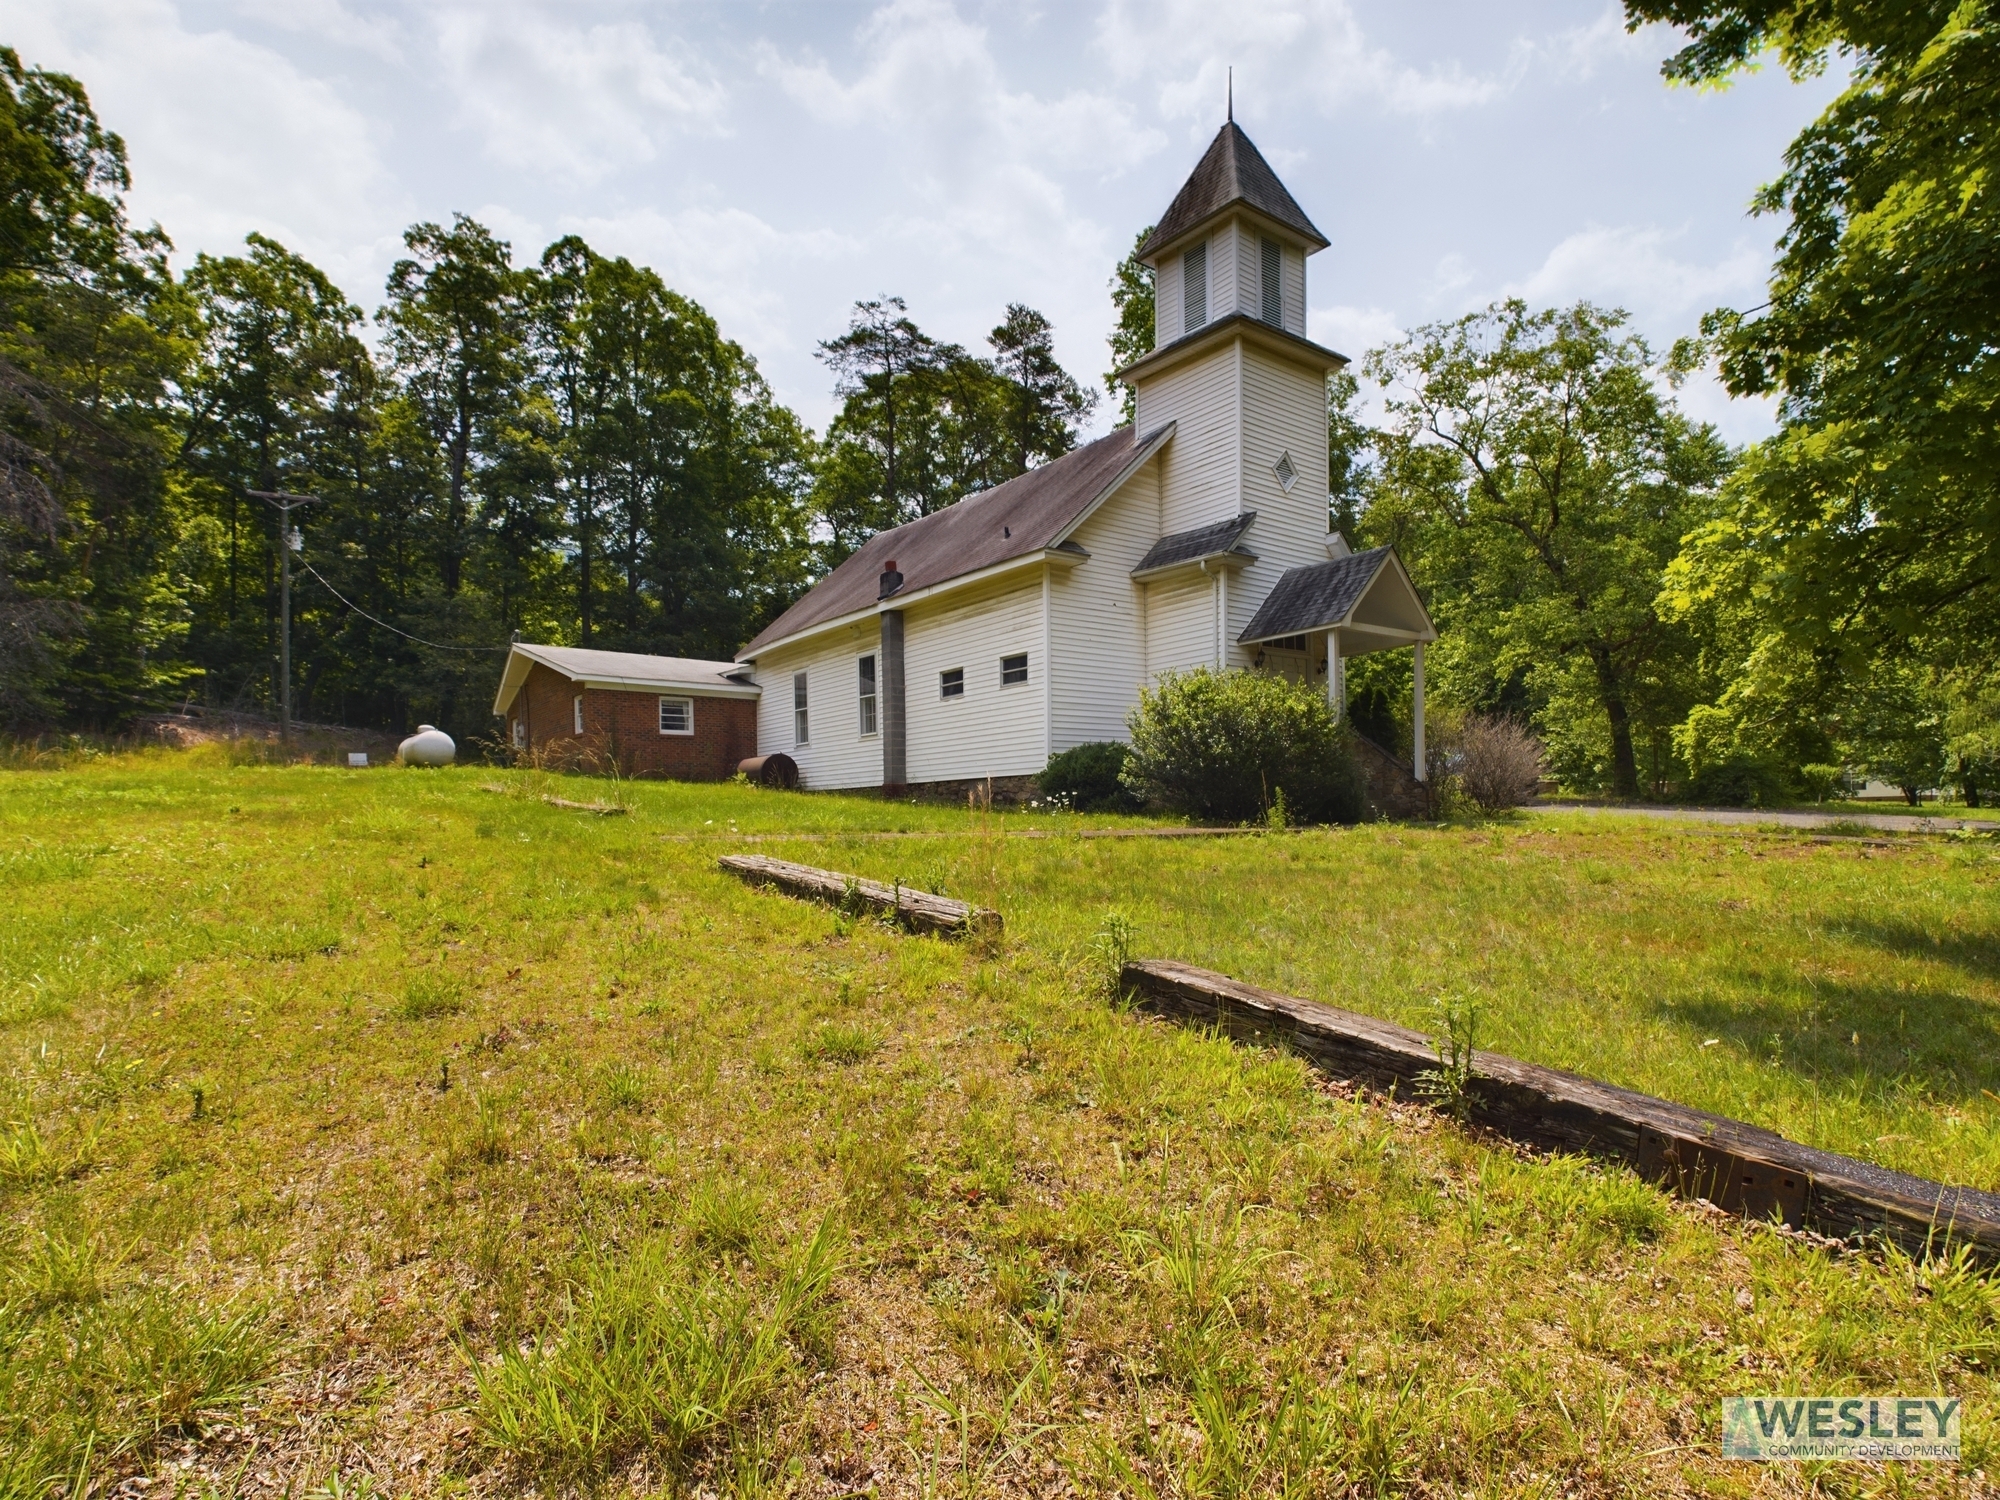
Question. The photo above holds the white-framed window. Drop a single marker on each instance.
(951, 684)
(677, 716)
(799, 708)
(520, 733)
(576, 710)
(1013, 670)
(867, 694)
(1194, 288)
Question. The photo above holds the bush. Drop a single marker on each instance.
(1221, 746)
(1738, 781)
(1499, 764)
(1086, 778)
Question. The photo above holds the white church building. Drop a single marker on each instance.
(973, 644)
(982, 639)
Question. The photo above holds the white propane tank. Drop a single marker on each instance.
(429, 746)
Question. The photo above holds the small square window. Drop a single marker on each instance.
(677, 716)
(952, 684)
(1013, 669)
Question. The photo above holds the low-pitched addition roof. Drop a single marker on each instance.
(1322, 596)
(1029, 514)
(1218, 539)
(621, 669)
(1231, 171)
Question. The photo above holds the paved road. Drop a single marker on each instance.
(1887, 822)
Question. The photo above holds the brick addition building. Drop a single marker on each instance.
(658, 716)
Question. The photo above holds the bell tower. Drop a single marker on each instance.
(1232, 368)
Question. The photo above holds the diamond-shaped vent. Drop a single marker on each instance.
(1288, 474)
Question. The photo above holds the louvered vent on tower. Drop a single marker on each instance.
(1274, 292)
(1194, 288)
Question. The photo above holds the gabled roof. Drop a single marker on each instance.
(624, 669)
(1231, 171)
(1323, 595)
(1026, 515)
(1215, 540)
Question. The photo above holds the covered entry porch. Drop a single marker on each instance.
(1348, 606)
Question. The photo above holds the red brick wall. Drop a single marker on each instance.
(623, 729)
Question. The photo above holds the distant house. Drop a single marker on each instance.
(972, 644)
(647, 715)
(978, 641)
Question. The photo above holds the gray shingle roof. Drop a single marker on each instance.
(1014, 519)
(1230, 171)
(1314, 597)
(1201, 541)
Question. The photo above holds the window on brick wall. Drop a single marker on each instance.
(520, 733)
(677, 716)
(798, 708)
(576, 710)
(867, 695)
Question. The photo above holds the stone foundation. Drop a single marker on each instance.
(1006, 791)
(1393, 788)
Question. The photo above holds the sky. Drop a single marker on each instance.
(777, 162)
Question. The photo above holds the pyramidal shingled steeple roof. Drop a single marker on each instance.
(1232, 170)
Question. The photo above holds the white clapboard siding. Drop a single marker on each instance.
(1180, 624)
(1249, 272)
(1284, 411)
(992, 730)
(838, 754)
(1200, 469)
(1098, 616)
(1225, 280)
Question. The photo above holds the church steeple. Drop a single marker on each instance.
(1232, 173)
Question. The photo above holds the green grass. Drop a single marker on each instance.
(385, 1134)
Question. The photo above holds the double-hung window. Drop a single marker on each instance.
(1194, 288)
(951, 684)
(1274, 284)
(677, 716)
(867, 695)
(576, 711)
(799, 708)
(1013, 670)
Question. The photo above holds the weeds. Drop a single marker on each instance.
(1449, 1084)
(429, 995)
(841, 1045)
(1110, 950)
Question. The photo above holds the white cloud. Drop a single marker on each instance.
(565, 100)
(225, 136)
(1353, 331)
(1635, 269)
(1313, 49)
(330, 21)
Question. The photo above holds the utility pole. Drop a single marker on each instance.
(289, 541)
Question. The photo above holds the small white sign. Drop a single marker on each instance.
(358, 759)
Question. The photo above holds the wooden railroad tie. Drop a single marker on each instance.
(1738, 1167)
(920, 911)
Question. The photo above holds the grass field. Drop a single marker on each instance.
(381, 1133)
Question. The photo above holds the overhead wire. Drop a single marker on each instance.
(434, 645)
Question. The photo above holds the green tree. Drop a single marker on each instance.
(1044, 403)
(1132, 333)
(872, 364)
(1349, 443)
(455, 335)
(1538, 484)
(93, 334)
(1875, 510)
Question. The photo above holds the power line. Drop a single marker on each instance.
(434, 645)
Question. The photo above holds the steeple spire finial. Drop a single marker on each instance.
(1232, 94)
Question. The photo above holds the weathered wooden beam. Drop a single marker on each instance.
(1738, 1167)
(919, 911)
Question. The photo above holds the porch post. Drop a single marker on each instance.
(1417, 707)
(1336, 676)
